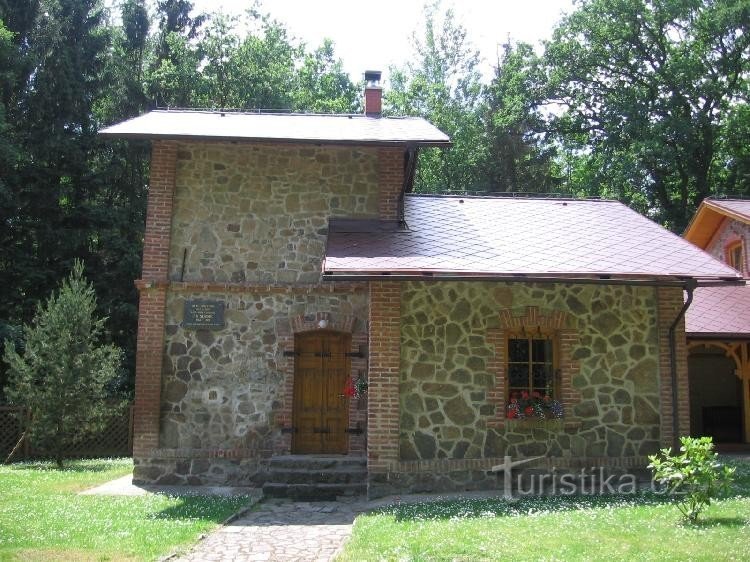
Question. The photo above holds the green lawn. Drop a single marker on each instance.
(563, 528)
(42, 517)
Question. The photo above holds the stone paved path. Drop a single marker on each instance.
(281, 531)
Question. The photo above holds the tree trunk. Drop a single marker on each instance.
(58, 446)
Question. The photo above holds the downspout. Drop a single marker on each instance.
(410, 167)
(690, 285)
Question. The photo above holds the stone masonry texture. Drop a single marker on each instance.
(223, 388)
(259, 214)
(451, 389)
(246, 225)
(730, 231)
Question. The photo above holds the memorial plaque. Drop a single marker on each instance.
(203, 315)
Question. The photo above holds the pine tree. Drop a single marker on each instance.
(64, 376)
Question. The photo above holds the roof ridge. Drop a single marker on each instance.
(740, 198)
(273, 112)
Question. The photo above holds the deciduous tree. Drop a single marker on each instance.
(442, 85)
(649, 83)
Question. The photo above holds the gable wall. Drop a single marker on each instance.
(729, 231)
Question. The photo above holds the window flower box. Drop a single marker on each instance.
(534, 405)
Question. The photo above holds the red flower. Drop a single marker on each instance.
(512, 413)
(547, 398)
(524, 395)
(536, 394)
(514, 400)
(528, 410)
(349, 389)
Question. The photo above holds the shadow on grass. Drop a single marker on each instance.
(78, 465)
(741, 479)
(214, 509)
(499, 507)
(526, 505)
(709, 522)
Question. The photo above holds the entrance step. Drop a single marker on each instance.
(315, 478)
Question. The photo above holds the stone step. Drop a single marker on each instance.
(312, 492)
(343, 475)
(306, 462)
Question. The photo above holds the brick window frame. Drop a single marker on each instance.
(556, 323)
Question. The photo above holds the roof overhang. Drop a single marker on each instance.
(328, 129)
(707, 220)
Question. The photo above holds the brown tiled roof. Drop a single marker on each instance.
(710, 215)
(737, 207)
(544, 238)
(719, 311)
(286, 127)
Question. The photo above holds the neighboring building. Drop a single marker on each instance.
(285, 261)
(718, 327)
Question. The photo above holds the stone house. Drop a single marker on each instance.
(286, 263)
(718, 328)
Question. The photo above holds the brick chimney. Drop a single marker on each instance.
(373, 93)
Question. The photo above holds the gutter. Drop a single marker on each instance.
(689, 287)
(604, 279)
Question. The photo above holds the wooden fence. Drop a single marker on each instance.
(115, 440)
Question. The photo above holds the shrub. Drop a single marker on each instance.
(693, 476)
(64, 376)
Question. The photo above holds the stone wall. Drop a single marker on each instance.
(450, 373)
(730, 231)
(248, 228)
(259, 213)
(227, 394)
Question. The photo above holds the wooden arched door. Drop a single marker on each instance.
(320, 409)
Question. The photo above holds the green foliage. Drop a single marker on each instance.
(214, 66)
(323, 86)
(441, 84)
(731, 170)
(649, 85)
(694, 476)
(64, 376)
(519, 157)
